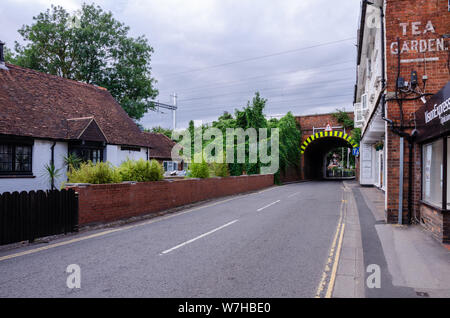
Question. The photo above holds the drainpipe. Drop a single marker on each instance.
(395, 130)
(52, 162)
(400, 182)
(410, 180)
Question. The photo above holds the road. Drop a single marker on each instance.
(274, 243)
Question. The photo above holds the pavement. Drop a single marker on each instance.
(415, 262)
(313, 239)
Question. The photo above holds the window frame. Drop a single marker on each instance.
(130, 148)
(445, 139)
(173, 164)
(14, 144)
(91, 147)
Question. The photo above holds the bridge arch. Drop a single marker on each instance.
(318, 142)
(328, 134)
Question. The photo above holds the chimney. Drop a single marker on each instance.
(2, 57)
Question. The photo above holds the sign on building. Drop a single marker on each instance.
(433, 118)
(424, 40)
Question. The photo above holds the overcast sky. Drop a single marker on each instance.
(215, 54)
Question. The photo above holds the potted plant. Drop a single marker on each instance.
(379, 146)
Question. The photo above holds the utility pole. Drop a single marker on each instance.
(174, 111)
(348, 158)
(173, 108)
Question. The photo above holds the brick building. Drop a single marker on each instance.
(312, 164)
(403, 74)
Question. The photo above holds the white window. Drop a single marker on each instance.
(433, 173)
(364, 105)
(170, 166)
(369, 68)
(359, 119)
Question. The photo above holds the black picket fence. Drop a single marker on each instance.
(26, 216)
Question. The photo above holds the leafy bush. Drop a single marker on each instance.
(200, 170)
(356, 135)
(236, 169)
(156, 171)
(99, 173)
(104, 172)
(141, 171)
(220, 169)
(343, 118)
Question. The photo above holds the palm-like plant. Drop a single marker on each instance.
(52, 173)
(72, 161)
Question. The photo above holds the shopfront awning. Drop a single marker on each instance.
(433, 118)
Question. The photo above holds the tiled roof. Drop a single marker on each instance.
(161, 145)
(41, 105)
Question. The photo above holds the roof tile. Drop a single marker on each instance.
(39, 105)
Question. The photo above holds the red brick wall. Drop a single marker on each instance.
(308, 122)
(437, 223)
(411, 11)
(111, 202)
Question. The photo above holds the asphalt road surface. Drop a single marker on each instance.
(273, 243)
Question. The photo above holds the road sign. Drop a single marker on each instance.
(328, 128)
(355, 151)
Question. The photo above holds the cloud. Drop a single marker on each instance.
(196, 34)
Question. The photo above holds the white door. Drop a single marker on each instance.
(366, 166)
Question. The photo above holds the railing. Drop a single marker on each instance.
(30, 215)
(340, 173)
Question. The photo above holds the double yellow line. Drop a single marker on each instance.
(326, 284)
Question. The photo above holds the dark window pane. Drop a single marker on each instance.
(88, 154)
(95, 155)
(6, 158)
(23, 158)
(433, 173)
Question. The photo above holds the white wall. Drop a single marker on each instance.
(41, 157)
(370, 84)
(116, 156)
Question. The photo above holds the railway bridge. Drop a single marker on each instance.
(320, 135)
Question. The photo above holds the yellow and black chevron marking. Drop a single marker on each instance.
(327, 134)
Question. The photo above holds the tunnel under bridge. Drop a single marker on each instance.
(321, 136)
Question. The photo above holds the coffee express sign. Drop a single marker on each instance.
(432, 43)
(433, 119)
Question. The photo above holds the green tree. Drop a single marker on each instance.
(9, 55)
(344, 119)
(290, 139)
(252, 116)
(159, 130)
(93, 47)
